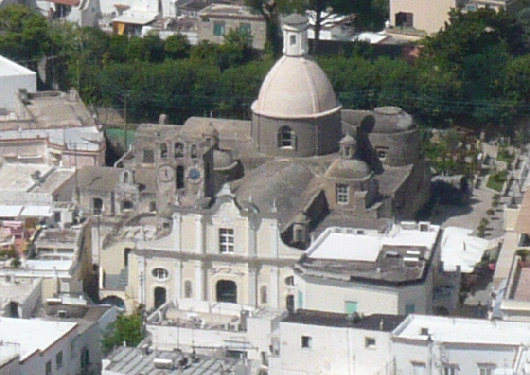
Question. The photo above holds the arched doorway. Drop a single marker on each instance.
(160, 296)
(226, 291)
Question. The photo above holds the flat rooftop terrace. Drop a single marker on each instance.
(132, 361)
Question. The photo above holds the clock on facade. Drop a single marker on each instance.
(194, 175)
(166, 173)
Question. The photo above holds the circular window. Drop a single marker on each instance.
(160, 273)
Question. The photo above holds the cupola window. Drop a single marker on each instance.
(286, 138)
(292, 40)
(343, 194)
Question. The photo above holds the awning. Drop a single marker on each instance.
(10, 211)
(37, 211)
(137, 19)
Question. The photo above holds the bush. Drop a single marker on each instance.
(126, 329)
(497, 180)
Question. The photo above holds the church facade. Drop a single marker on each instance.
(220, 210)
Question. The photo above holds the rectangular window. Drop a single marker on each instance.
(59, 360)
(244, 28)
(369, 342)
(49, 368)
(218, 28)
(486, 368)
(418, 368)
(148, 156)
(450, 369)
(351, 307)
(163, 150)
(226, 240)
(410, 309)
(307, 342)
(179, 150)
(404, 19)
(343, 194)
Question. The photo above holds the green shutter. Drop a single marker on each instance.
(351, 307)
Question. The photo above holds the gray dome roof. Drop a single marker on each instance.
(391, 120)
(295, 87)
(349, 169)
(295, 19)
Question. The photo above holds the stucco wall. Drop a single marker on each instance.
(429, 16)
(317, 136)
(205, 30)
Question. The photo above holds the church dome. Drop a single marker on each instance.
(391, 120)
(349, 169)
(295, 87)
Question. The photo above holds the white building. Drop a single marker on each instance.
(14, 77)
(54, 128)
(313, 342)
(370, 272)
(207, 328)
(310, 342)
(48, 352)
(454, 346)
(61, 258)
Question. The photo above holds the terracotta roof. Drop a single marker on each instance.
(523, 220)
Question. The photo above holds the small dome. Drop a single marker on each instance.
(349, 169)
(295, 87)
(391, 120)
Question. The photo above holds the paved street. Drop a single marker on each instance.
(469, 216)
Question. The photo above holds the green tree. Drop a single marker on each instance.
(155, 48)
(177, 47)
(517, 80)
(137, 49)
(473, 50)
(23, 33)
(126, 329)
(271, 12)
(117, 49)
(236, 49)
(323, 10)
(523, 18)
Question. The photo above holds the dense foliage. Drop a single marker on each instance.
(126, 330)
(476, 71)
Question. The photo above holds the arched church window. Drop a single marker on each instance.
(163, 150)
(289, 281)
(179, 150)
(286, 138)
(193, 151)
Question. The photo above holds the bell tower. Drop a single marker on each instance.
(295, 35)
